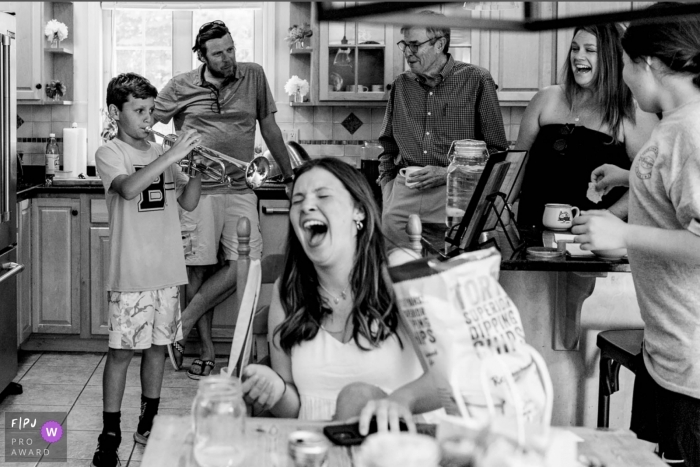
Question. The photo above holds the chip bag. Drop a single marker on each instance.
(471, 337)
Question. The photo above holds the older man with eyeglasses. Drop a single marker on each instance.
(222, 99)
(438, 101)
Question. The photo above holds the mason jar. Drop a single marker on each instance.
(218, 418)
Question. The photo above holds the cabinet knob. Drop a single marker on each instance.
(74, 212)
(38, 86)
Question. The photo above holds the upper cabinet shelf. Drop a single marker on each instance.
(59, 50)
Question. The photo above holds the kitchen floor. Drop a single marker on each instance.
(72, 383)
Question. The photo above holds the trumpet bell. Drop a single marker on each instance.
(258, 170)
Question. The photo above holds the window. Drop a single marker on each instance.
(155, 39)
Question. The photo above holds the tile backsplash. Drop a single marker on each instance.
(322, 132)
(39, 121)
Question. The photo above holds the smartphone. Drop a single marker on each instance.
(349, 433)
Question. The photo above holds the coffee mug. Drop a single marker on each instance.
(406, 171)
(377, 88)
(357, 87)
(559, 216)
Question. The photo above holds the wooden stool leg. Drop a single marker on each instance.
(608, 383)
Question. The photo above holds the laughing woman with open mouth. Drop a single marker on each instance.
(333, 321)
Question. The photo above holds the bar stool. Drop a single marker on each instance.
(617, 348)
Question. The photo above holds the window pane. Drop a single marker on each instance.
(241, 24)
(159, 29)
(143, 44)
(129, 60)
(129, 27)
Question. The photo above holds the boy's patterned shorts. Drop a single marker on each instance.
(138, 320)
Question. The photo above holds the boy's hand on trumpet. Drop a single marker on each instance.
(183, 145)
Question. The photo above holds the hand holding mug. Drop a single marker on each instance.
(407, 174)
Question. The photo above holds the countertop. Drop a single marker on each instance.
(26, 191)
(433, 239)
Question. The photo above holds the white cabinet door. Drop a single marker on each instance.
(29, 49)
(99, 269)
(521, 63)
(56, 265)
(24, 279)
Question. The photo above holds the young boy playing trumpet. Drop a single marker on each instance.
(142, 186)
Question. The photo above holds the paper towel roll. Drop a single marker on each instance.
(75, 151)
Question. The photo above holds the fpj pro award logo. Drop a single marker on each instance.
(30, 436)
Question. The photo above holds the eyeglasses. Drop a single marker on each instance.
(561, 144)
(211, 25)
(215, 106)
(414, 47)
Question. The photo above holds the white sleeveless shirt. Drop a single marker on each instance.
(322, 366)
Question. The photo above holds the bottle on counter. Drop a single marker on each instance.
(51, 160)
(468, 159)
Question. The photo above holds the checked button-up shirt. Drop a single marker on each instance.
(421, 122)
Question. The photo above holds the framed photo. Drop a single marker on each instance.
(467, 232)
(510, 187)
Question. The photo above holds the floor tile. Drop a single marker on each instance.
(57, 375)
(47, 394)
(82, 444)
(25, 358)
(90, 418)
(169, 397)
(19, 464)
(70, 462)
(9, 406)
(21, 371)
(71, 359)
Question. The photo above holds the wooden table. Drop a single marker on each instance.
(170, 444)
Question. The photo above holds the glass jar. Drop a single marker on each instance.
(467, 161)
(218, 418)
(369, 166)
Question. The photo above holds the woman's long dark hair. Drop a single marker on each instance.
(374, 312)
(613, 97)
(675, 42)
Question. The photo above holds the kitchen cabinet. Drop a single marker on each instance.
(56, 265)
(356, 61)
(520, 63)
(39, 63)
(95, 277)
(357, 69)
(24, 280)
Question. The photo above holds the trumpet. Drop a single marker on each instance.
(256, 172)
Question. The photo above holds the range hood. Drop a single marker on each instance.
(404, 13)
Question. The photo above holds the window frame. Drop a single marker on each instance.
(101, 61)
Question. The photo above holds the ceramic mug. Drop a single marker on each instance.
(357, 87)
(406, 171)
(559, 216)
(377, 88)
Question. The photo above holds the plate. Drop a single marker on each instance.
(543, 252)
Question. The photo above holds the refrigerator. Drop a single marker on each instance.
(8, 206)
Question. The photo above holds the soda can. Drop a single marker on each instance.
(308, 449)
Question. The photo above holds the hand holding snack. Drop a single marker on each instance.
(608, 176)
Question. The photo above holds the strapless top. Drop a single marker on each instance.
(559, 169)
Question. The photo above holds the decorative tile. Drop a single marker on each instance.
(352, 123)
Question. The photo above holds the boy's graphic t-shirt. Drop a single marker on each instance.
(665, 193)
(145, 241)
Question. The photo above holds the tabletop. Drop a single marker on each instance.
(170, 444)
(433, 239)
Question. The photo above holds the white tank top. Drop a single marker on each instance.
(322, 366)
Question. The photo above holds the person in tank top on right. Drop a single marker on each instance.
(588, 120)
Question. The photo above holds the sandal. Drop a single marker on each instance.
(205, 367)
(174, 360)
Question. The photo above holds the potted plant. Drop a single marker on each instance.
(55, 90)
(297, 87)
(55, 32)
(297, 34)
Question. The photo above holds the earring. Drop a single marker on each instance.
(359, 225)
